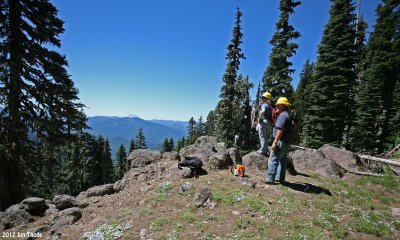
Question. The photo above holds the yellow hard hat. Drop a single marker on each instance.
(267, 95)
(283, 101)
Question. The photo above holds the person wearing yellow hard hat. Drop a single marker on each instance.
(264, 122)
(280, 145)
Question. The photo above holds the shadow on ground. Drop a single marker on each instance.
(307, 188)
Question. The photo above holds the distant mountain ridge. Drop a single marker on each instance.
(120, 130)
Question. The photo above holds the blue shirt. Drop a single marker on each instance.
(281, 122)
(265, 107)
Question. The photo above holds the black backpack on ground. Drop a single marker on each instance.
(194, 163)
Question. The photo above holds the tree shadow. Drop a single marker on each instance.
(307, 188)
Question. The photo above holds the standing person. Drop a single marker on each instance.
(280, 145)
(263, 122)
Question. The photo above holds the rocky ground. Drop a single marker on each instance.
(153, 201)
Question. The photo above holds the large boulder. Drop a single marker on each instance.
(15, 215)
(35, 206)
(64, 201)
(158, 170)
(315, 161)
(344, 158)
(64, 218)
(214, 155)
(100, 190)
(171, 156)
(142, 157)
(255, 161)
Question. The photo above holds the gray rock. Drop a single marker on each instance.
(51, 210)
(248, 182)
(201, 197)
(234, 154)
(35, 206)
(315, 161)
(255, 161)
(39, 229)
(64, 218)
(100, 190)
(171, 156)
(187, 173)
(143, 233)
(214, 155)
(344, 158)
(14, 216)
(142, 157)
(65, 201)
(186, 187)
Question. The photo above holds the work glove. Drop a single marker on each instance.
(274, 146)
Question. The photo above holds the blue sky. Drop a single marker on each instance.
(164, 59)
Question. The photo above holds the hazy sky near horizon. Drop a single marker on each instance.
(164, 59)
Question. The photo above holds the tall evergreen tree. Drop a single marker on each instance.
(37, 94)
(377, 104)
(171, 144)
(200, 127)
(210, 127)
(301, 101)
(224, 110)
(121, 162)
(242, 112)
(192, 130)
(140, 140)
(277, 79)
(132, 145)
(107, 163)
(180, 144)
(166, 147)
(332, 94)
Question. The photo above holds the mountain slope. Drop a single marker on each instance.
(120, 130)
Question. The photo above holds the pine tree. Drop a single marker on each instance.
(376, 105)
(277, 79)
(224, 110)
(37, 94)
(242, 112)
(210, 127)
(200, 127)
(140, 140)
(121, 162)
(166, 146)
(132, 145)
(107, 163)
(301, 101)
(332, 94)
(180, 144)
(192, 131)
(171, 144)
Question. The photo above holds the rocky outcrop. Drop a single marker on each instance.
(15, 215)
(171, 156)
(214, 155)
(65, 218)
(65, 201)
(343, 158)
(255, 161)
(100, 190)
(35, 206)
(316, 161)
(143, 157)
(162, 169)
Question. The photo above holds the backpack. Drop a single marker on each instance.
(273, 114)
(194, 163)
(290, 136)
